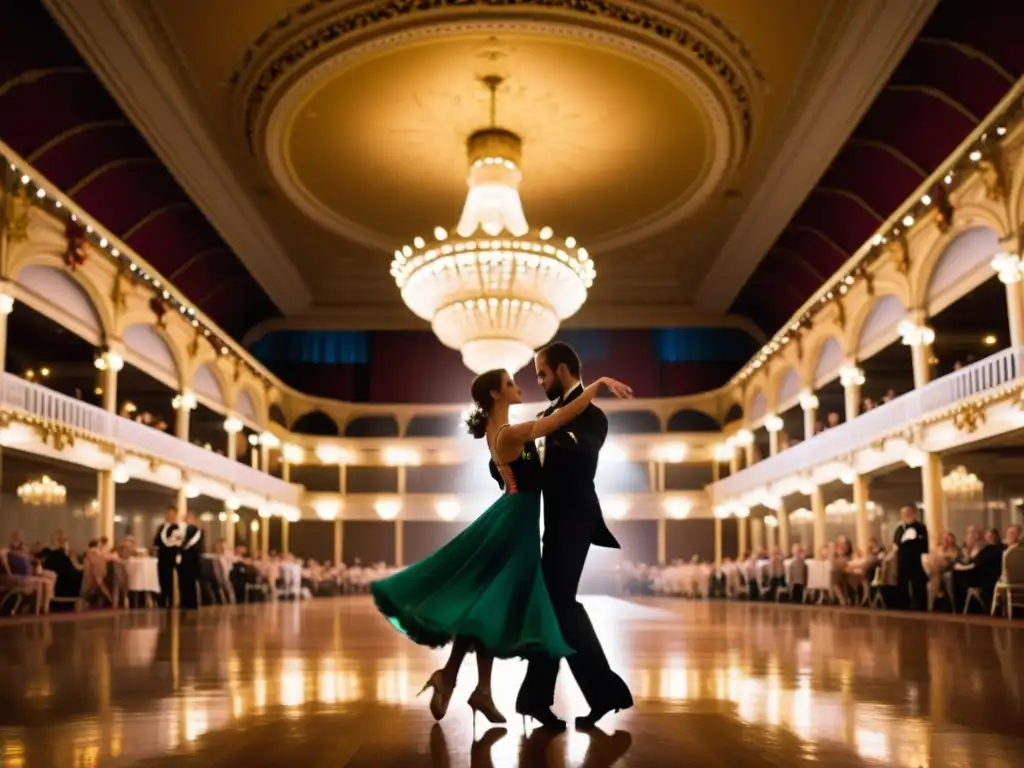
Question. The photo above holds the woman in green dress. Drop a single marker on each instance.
(484, 589)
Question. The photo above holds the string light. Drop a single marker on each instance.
(43, 199)
(906, 219)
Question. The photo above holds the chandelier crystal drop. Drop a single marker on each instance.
(43, 492)
(494, 289)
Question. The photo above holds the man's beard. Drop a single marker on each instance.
(555, 391)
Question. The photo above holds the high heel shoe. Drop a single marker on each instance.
(483, 703)
(441, 696)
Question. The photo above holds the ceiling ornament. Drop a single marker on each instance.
(733, 72)
(43, 492)
(494, 289)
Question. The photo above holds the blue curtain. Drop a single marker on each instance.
(703, 345)
(320, 347)
(589, 344)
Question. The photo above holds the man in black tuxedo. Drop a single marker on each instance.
(167, 543)
(572, 523)
(911, 542)
(190, 564)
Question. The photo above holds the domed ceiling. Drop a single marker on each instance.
(318, 136)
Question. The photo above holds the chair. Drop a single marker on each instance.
(1010, 589)
(974, 593)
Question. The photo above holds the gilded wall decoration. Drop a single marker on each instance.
(686, 39)
(969, 417)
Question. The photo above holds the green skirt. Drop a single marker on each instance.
(485, 584)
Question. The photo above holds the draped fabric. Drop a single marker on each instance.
(704, 345)
(319, 347)
(414, 367)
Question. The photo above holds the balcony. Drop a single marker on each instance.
(821, 457)
(38, 420)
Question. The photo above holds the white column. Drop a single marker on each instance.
(106, 495)
(718, 540)
(183, 405)
(284, 537)
(230, 524)
(809, 404)
(860, 502)
(934, 506)
(741, 538)
(263, 543)
(232, 426)
(254, 450)
(109, 362)
(851, 377)
(774, 424)
(662, 535)
(919, 337)
(1009, 267)
(338, 533)
(818, 508)
(784, 540)
(6, 307)
(399, 542)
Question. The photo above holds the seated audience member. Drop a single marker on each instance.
(96, 567)
(980, 570)
(60, 560)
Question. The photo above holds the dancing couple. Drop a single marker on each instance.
(490, 589)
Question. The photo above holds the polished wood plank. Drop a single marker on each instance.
(330, 683)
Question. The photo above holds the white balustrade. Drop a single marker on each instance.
(20, 395)
(976, 380)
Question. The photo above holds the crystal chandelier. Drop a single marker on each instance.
(494, 289)
(961, 483)
(44, 492)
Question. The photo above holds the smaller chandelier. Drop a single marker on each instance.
(961, 483)
(44, 492)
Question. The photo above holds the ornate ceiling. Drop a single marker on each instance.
(675, 139)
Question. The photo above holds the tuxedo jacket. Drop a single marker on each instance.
(571, 505)
(163, 551)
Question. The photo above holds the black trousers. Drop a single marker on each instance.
(165, 573)
(911, 584)
(565, 553)
(188, 582)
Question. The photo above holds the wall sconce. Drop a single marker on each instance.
(447, 509)
(672, 453)
(387, 509)
(722, 452)
(186, 401)
(808, 400)
(108, 361)
(914, 335)
(616, 507)
(293, 454)
(327, 510)
(851, 376)
(678, 509)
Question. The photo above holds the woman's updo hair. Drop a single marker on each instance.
(483, 385)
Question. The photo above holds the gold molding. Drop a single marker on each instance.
(968, 417)
(295, 54)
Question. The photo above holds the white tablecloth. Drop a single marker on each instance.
(819, 574)
(142, 574)
(291, 578)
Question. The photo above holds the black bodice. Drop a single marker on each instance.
(525, 471)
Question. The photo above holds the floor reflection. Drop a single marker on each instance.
(330, 683)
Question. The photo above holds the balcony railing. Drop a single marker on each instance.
(52, 407)
(977, 380)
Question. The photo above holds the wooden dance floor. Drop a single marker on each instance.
(330, 683)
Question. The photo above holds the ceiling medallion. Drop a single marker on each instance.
(44, 492)
(498, 294)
